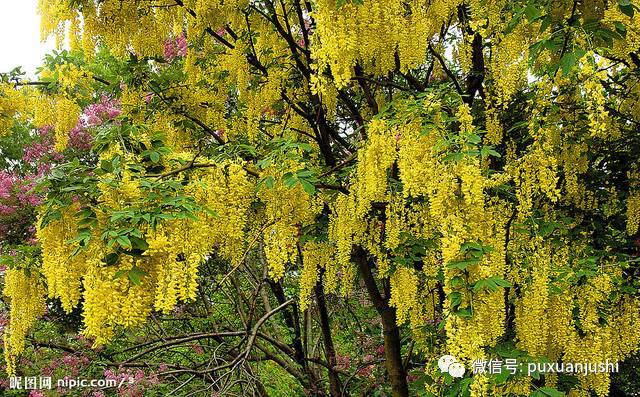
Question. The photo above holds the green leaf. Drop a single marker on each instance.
(627, 10)
(515, 20)
(154, 156)
(548, 228)
(289, 180)
(470, 245)
(474, 138)
(456, 281)
(136, 274)
(546, 392)
(269, 182)
(502, 376)
(569, 59)
(308, 187)
(453, 157)
(119, 274)
(139, 243)
(546, 22)
(124, 241)
(482, 284)
(463, 263)
(491, 283)
(532, 12)
(620, 28)
(502, 282)
(111, 259)
(455, 298)
(465, 312)
(487, 151)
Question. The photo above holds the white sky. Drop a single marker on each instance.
(20, 36)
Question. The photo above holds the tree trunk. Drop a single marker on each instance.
(335, 386)
(392, 344)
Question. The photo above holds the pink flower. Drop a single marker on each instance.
(343, 362)
(198, 349)
(174, 48)
(170, 51)
(380, 350)
(139, 374)
(68, 359)
(365, 371)
(7, 210)
(7, 181)
(98, 113)
(109, 375)
(153, 380)
(181, 45)
(79, 138)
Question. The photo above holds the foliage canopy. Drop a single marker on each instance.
(465, 170)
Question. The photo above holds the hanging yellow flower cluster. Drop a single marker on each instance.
(532, 327)
(59, 111)
(633, 202)
(26, 293)
(372, 35)
(287, 210)
(62, 269)
(166, 272)
(613, 16)
(12, 103)
(600, 124)
(564, 321)
(316, 256)
(141, 30)
(456, 213)
(459, 237)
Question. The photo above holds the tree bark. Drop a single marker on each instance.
(335, 386)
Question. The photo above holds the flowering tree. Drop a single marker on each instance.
(465, 172)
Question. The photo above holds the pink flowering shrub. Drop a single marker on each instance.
(134, 381)
(99, 113)
(95, 114)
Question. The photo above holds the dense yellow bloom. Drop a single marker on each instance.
(12, 103)
(600, 124)
(62, 269)
(452, 232)
(375, 159)
(315, 256)
(633, 202)
(288, 209)
(111, 300)
(371, 34)
(26, 293)
(404, 293)
(60, 112)
(532, 324)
